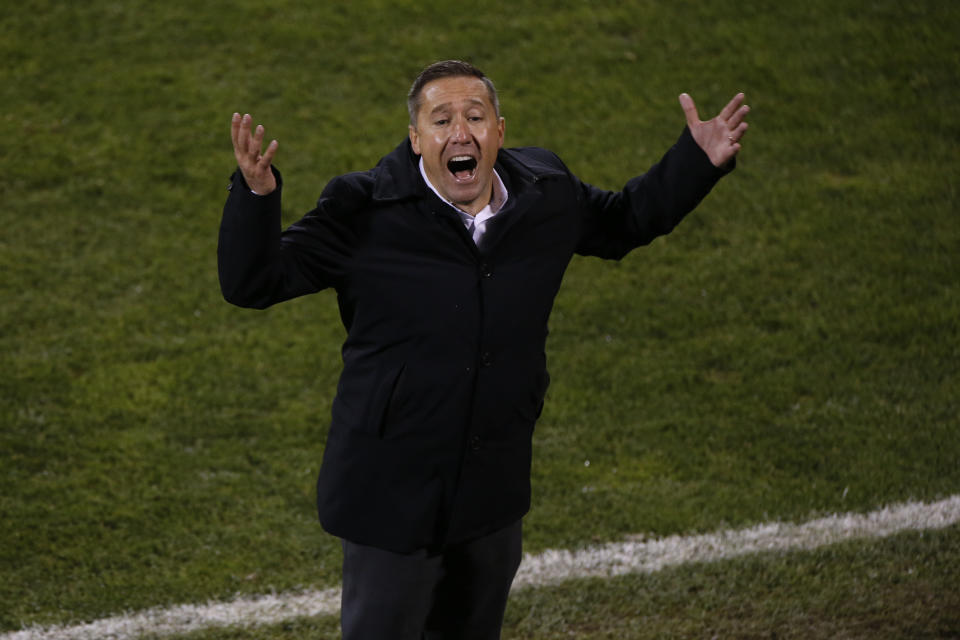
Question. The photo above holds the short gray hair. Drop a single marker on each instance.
(446, 69)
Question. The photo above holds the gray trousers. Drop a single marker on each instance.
(457, 593)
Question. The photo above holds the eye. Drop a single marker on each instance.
(441, 122)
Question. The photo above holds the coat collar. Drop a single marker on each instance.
(397, 175)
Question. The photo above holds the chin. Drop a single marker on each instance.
(461, 196)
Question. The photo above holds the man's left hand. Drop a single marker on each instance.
(720, 137)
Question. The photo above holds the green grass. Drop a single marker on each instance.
(902, 587)
(792, 349)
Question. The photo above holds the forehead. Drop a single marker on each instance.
(455, 91)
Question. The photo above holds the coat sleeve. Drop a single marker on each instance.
(259, 265)
(650, 205)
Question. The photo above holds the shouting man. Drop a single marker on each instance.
(446, 258)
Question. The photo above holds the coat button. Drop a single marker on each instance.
(486, 359)
(486, 270)
(476, 443)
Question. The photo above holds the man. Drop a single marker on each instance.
(446, 258)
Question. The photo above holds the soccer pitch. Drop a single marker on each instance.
(550, 567)
(791, 352)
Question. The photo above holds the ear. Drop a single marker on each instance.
(501, 128)
(414, 138)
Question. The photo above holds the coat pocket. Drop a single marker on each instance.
(532, 404)
(383, 402)
(364, 399)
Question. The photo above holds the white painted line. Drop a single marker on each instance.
(548, 567)
(646, 556)
(185, 618)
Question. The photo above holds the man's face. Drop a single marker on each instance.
(458, 135)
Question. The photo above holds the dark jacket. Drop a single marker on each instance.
(444, 366)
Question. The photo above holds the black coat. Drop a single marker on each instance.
(444, 366)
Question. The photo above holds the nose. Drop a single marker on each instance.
(461, 133)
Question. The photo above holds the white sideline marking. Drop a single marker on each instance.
(548, 567)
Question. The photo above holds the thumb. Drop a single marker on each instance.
(689, 110)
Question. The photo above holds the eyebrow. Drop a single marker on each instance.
(446, 105)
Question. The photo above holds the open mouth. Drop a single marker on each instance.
(462, 167)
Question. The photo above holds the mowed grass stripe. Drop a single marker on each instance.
(548, 567)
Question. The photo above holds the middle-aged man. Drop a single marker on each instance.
(446, 258)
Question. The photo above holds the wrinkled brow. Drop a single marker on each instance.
(447, 106)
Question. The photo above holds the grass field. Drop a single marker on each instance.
(793, 349)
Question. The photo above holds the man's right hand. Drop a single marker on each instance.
(246, 148)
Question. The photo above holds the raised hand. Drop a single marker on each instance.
(720, 137)
(246, 148)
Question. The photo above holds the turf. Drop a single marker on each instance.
(902, 587)
(792, 349)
